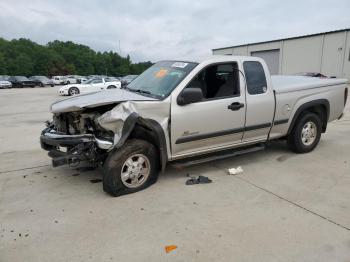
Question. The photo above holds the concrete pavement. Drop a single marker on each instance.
(283, 207)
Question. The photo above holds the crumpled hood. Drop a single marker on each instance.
(92, 100)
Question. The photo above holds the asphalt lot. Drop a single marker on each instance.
(283, 207)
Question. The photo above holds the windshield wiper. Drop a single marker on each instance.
(144, 92)
(139, 91)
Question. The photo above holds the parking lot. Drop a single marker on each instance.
(283, 207)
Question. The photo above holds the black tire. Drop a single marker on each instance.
(110, 87)
(116, 161)
(73, 91)
(295, 141)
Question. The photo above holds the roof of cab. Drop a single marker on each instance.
(227, 58)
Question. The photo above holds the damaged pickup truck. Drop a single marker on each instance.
(188, 113)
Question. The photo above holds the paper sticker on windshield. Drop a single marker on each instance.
(161, 73)
(179, 64)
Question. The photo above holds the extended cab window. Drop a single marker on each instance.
(255, 77)
(218, 81)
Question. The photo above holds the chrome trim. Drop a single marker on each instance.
(101, 143)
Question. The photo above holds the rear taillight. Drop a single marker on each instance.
(345, 96)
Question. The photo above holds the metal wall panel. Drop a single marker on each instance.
(271, 57)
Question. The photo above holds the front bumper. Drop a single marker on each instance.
(6, 86)
(79, 148)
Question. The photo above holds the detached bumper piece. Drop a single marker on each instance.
(79, 148)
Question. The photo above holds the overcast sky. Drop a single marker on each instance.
(156, 29)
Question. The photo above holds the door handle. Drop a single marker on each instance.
(235, 106)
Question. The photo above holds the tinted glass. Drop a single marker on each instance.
(218, 81)
(97, 81)
(160, 79)
(255, 77)
(21, 78)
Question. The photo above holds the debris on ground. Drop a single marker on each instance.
(197, 180)
(97, 180)
(76, 174)
(170, 248)
(235, 171)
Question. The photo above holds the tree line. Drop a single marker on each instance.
(25, 57)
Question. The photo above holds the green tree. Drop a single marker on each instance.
(25, 57)
(3, 69)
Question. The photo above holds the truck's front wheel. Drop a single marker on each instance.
(131, 168)
(305, 134)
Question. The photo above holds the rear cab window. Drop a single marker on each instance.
(255, 77)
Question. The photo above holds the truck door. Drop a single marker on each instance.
(260, 101)
(216, 122)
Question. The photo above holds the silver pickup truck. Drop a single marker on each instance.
(188, 113)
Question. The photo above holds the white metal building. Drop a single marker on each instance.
(327, 53)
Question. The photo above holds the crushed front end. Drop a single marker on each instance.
(75, 137)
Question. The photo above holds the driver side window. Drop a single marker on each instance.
(217, 81)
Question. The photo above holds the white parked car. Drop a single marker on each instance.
(59, 80)
(71, 79)
(5, 84)
(89, 86)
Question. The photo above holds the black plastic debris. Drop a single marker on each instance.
(97, 180)
(197, 180)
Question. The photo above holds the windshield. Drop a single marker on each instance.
(21, 78)
(160, 79)
(90, 80)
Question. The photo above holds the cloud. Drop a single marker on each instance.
(155, 29)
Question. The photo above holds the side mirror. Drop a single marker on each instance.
(190, 95)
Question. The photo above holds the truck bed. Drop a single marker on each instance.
(284, 84)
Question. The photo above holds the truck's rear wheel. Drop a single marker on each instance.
(131, 168)
(305, 134)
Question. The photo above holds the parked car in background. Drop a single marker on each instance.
(22, 81)
(93, 76)
(127, 79)
(4, 77)
(4, 83)
(42, 80)
(81, 79)
(89, 86)
(71, 79)
(59, 80)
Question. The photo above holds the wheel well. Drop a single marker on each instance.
(153, 134)
(320, 108)
(321, 111)
(144, 133)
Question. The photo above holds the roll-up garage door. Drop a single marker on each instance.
(271, 57)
